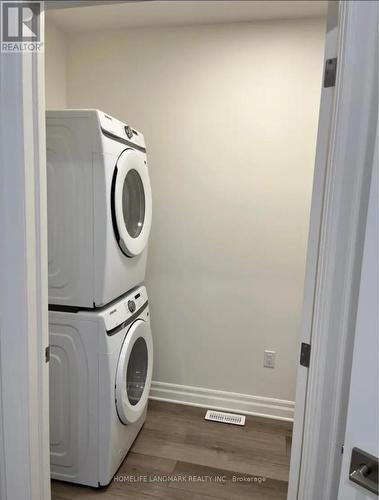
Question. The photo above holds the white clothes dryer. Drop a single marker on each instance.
(99, 207)
(100, 375)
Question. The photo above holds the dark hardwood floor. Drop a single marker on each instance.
(180, 456)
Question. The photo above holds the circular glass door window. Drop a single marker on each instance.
(137, 371)
(133, 203)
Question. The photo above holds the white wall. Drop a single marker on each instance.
(229, 113)
(55, 66)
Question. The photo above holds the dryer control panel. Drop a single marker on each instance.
(126, 309)
(117, 129)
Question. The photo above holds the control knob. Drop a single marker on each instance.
(131, 306)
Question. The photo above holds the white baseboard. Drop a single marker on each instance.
(225, 401)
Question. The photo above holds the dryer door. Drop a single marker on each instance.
(134, 372)
(131, 202)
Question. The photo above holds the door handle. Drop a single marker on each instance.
(364, 470)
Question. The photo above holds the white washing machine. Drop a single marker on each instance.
(99, 207)
(100, 375)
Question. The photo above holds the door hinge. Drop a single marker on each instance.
(47, 354)
(305, 354)
(330, 73)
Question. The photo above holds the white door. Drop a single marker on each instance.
(134, 372)
(363, 417)
(131, 202)
(323, 138)
(346, 138)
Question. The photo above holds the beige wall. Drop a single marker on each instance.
(229, 113)
(55, 67)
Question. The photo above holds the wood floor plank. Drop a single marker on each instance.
(201, 429)
(224, 484)
(177, 442)
(221, 437)
(181, 433)
(144, 464)
(262, 464)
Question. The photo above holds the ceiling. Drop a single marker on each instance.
(179, 13)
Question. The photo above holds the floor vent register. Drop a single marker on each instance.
(225, 418)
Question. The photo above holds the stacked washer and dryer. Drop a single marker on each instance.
(101, 350)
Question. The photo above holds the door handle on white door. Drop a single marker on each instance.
(364, 470)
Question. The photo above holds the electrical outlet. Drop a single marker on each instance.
(269, 359)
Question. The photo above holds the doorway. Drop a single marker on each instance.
(214, 100)
(354, 18)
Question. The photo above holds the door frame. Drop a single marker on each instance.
(24, 373)
(334, 298)
(334, 259)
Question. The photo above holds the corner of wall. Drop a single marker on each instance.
(55, 65)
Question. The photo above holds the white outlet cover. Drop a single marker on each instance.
(269, 359)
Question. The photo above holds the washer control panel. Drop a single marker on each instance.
(125, 308)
